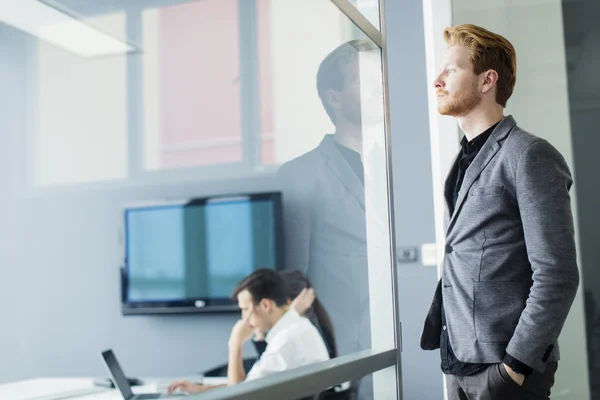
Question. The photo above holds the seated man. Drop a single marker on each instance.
(304, 300)
(292, 341)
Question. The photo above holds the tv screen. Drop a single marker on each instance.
(189, 256)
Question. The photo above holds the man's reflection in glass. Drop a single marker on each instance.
(324, 194)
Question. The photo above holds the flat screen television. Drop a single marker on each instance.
(188, 256)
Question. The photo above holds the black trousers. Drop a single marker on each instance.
(494, 383)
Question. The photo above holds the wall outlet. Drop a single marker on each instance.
(407, 254)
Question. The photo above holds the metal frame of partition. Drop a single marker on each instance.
(361, 22)
(249, 87)
(306, 381)
(391, 213)
(443, 132)
(313, 379)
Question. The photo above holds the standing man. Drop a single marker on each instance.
(510, 273)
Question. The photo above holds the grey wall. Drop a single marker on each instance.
(413, 190)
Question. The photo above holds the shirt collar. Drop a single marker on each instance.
(477, 143)
(286, 320)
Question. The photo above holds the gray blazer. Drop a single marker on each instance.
(510, 272)
(326, 238)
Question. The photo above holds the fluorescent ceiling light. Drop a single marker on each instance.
(48, 24)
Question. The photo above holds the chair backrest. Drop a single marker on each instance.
(349, 393)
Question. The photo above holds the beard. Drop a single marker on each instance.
(460, 103)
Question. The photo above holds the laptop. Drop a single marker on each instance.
(121, 382)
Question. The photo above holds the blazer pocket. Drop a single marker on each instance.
(486, 190)
(496, 310)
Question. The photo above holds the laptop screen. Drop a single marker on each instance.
(117, 374)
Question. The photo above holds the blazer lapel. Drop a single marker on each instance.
(338, 165)
(485, 155)
(449, 189)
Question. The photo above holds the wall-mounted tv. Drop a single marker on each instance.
(188, 256)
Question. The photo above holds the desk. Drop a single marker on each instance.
(43, 388)
(82, 388)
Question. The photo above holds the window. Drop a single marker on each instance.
(191, 86)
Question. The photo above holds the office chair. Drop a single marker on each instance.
(332, 394)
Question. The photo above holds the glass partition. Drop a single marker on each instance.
(174, 99)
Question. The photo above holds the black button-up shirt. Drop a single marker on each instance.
(353, 159)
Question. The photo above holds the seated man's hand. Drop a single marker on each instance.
(186, 386)
(240, 333)
(304, 300)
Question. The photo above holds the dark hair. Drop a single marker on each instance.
(264, 284)
(332, 72)
(296, 281)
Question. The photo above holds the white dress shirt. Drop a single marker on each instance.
(293, 342)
